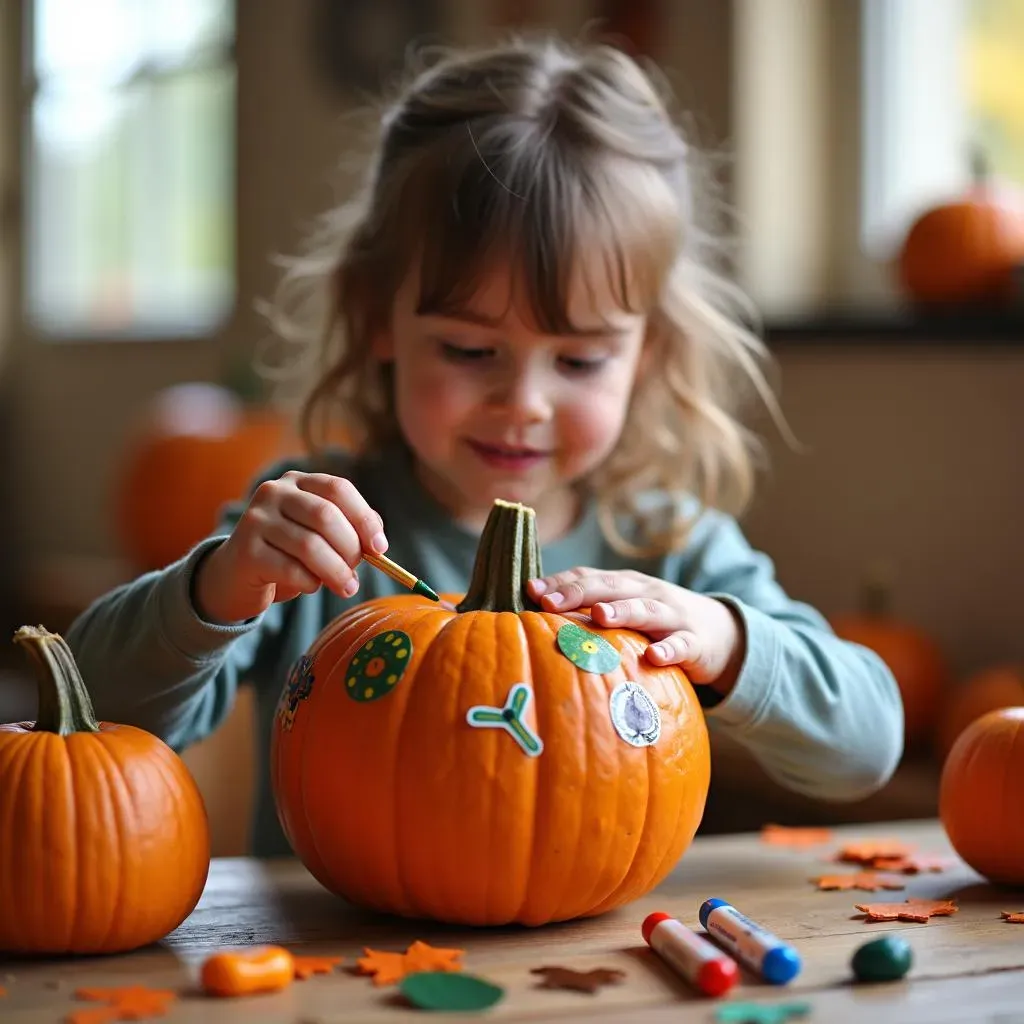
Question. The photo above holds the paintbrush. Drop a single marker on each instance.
(400, 575)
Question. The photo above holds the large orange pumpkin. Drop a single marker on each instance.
(106, 844)
(980, 795)
(913, 657)
(199, 447)
(999, 686)
(964, 250)
(487, 763)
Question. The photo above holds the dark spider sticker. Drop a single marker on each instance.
(298, 687)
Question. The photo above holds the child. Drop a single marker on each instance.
(520, 308)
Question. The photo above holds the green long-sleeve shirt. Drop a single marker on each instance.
(821, 715)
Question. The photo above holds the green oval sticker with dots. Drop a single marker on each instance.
(587, 650)
(378, 665)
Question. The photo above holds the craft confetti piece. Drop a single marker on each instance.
(440, 990)
(307, 966)
(1013, 917)
(913, 864)
(578, 981)
(798, 837)
(587, 650)
(760, 1013)
(869, 851)
(869, 881)
(918, 911)
(388, 967)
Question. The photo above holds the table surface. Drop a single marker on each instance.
(967, 967)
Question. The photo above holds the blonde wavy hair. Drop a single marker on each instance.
(535, 150)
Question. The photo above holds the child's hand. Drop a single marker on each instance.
(298, 533)
(698, 633)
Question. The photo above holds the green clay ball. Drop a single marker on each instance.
(884, 959)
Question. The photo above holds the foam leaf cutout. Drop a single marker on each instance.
(134, 1002)
(784, 835)
(870, 851)
(388, 968)
(869, 881)
(913, 864)
(918, 911)
(578, 981)
(307, 966)
(1013, 917)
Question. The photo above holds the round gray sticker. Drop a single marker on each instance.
(634, 714)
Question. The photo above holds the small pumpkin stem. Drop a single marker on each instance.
(64, 703)
(507, 557)
(981, 167)
(876, 592)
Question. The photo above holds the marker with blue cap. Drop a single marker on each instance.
(755, 947)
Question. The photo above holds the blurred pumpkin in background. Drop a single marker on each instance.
(913, 656)
(998, 686)
(199, 446)
(965, 250)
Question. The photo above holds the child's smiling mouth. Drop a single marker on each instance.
(502, 456)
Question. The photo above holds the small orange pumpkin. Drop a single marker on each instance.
(198, 448)
(964, 251)
(999, 686)
(980, 795)
(487, 763)
(106, 843)
(913, 657)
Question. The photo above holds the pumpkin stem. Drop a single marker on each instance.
(64, 703)
(876, 592)
(507, 557)
(981, 167)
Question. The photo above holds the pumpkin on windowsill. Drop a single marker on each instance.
(487, 763)
(106, 843)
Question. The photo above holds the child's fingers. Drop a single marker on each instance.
(679, 648)
(323, 517)
(313, 553)
(345, 495)
(290, 577)
(643, 613)
(588, 587)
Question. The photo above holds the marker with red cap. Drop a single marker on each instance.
(701, 962)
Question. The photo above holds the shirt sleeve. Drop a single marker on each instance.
(148, 658)
(822, 716)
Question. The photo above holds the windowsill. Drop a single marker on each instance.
(991, 327)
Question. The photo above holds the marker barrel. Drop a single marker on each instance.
(752, 945)
(700, 962)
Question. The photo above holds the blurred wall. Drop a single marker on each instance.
(912, 451)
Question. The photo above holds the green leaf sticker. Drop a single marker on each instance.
(589, 651)
(441, 990)
(378, 665)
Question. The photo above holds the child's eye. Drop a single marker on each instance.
(463, 353)
(582, 365)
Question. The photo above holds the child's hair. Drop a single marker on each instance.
(536, 151)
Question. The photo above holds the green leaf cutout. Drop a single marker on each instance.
(443, 990)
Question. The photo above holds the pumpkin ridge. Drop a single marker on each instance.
(15, 851)
(1009, 813)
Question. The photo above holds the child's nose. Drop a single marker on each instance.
(526, 395)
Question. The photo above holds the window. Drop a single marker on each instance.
(130, 129)
(943, 79)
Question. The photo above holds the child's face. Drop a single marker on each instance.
(492, 407)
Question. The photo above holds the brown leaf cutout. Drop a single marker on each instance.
(870, 851)
(913, 864)
(784, 835)
(1013, 917)
(578, 981)
(134, 1002)
(914, 910)
(388, 968)
(869, 881)
(307, 966)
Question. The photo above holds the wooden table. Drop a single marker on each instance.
(968, 967)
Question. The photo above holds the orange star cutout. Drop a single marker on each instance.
(1013, 917)
(135, 1002)
(388, 968)
(784, 835)
(307, 966)
(918, 911)
(869, 881)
